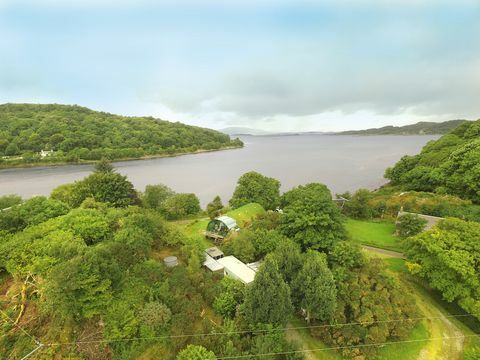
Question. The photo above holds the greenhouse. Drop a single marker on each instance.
(218, 228)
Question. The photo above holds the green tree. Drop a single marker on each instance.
(288, 258)
(120, 321)
(462, 171)
(214, 208)
(311, 218)
(64, 193)
(155, 196)
(12, 149)
(155, 315)
(78, 289)
(195, 352)
(31, 212)
(253, 187)
(108, 187)
(7, 201)
(314, 288)
(181, 205)
(269, 284)
(358, 206)
(230, 298)
(410, 225)
(447, 256)
(241, 246)
(103, 166)
(367, 299)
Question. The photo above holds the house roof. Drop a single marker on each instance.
(228, 221)
(212, 264)
(237, 269)
(255, 265)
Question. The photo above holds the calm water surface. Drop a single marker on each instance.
(341, 162)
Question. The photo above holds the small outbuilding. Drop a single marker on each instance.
(214, 252)
(218, 228)
(211, 256)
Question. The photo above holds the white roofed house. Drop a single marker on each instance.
(236, 269)
(230, 265)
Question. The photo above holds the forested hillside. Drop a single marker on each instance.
(449, 165)
(74, 133)
(420, 128)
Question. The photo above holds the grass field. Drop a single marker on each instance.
(378, 234)
(195, 229)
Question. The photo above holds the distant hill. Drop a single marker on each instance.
(420, 128)
(237, 130)
(51, 133)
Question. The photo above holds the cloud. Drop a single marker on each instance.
(283, 64)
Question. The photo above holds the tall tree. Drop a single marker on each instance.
(103, 166)
(267, 300)
(253, 187)
(313, 290)
(215, 207)
(448, 257)
(311, 218)
(108, 187)
(289, 259)
(155, 196)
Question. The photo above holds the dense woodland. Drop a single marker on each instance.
(449, 165)
(75, 133)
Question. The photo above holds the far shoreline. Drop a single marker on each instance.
(91, 162)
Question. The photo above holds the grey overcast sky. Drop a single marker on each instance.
(275, 65)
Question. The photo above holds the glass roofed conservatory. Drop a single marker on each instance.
(220, 227)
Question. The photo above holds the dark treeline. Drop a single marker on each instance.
(75, 133)
(420, 128)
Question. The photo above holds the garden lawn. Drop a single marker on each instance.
(377, 234)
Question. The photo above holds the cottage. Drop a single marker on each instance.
(45, 153)
(218, 228)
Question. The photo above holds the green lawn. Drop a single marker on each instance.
(195, 229)
(378, 234)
